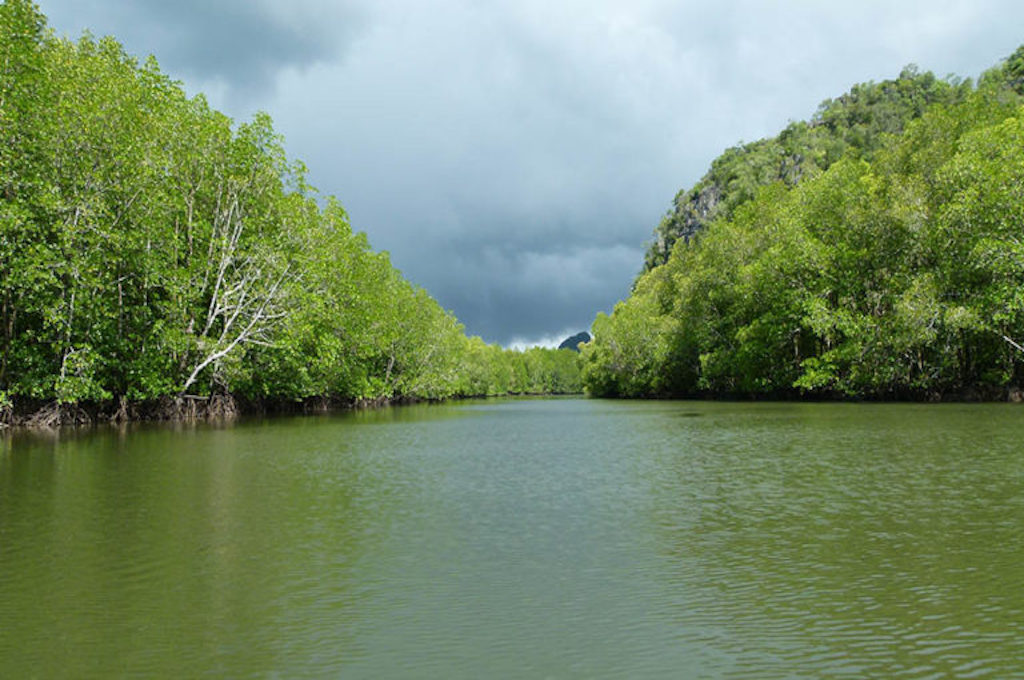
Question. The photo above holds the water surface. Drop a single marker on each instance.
(556, 538)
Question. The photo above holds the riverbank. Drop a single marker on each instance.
(38, 414)
(977, 395)
(42, 415)
(50, 414)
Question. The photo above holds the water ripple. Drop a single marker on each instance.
(531, 538)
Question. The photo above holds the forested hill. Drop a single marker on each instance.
(855, 123)
(158, 259)
(876, 251)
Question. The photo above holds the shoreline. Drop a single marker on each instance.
(1011, 395)
(38, 415)
(41, 415)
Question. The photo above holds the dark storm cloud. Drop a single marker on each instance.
(508, 289)
(515, 155)
(527, 295)
(240, 44)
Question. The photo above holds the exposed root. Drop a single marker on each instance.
(188, 407)
(55, 415)
(124, 412)
(317, 405)
(221, 407)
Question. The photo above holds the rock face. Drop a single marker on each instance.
(572, 342)
(691, 212)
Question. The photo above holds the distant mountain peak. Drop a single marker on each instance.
(573, 341)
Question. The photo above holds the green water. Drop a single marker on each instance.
(536, 538)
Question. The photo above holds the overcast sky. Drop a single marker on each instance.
(514, 157)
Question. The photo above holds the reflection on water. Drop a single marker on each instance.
(522, 538)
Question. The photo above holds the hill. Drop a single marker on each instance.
(574, 341)
(855, 123)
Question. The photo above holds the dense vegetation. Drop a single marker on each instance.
(857, 123)
(875, 251)
(154, 256)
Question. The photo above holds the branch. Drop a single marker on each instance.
(1014, 344)
(250, 334)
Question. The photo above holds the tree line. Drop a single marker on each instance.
(157, 258)
(874, 251)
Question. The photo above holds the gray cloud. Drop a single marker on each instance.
(514, 292)
(514, 156)
(240, 45)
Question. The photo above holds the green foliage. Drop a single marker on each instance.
(856, 123)
(894, 270)
(150, 247)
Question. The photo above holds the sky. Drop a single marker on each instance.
(514, 157)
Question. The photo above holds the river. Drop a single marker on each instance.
(533, 538)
